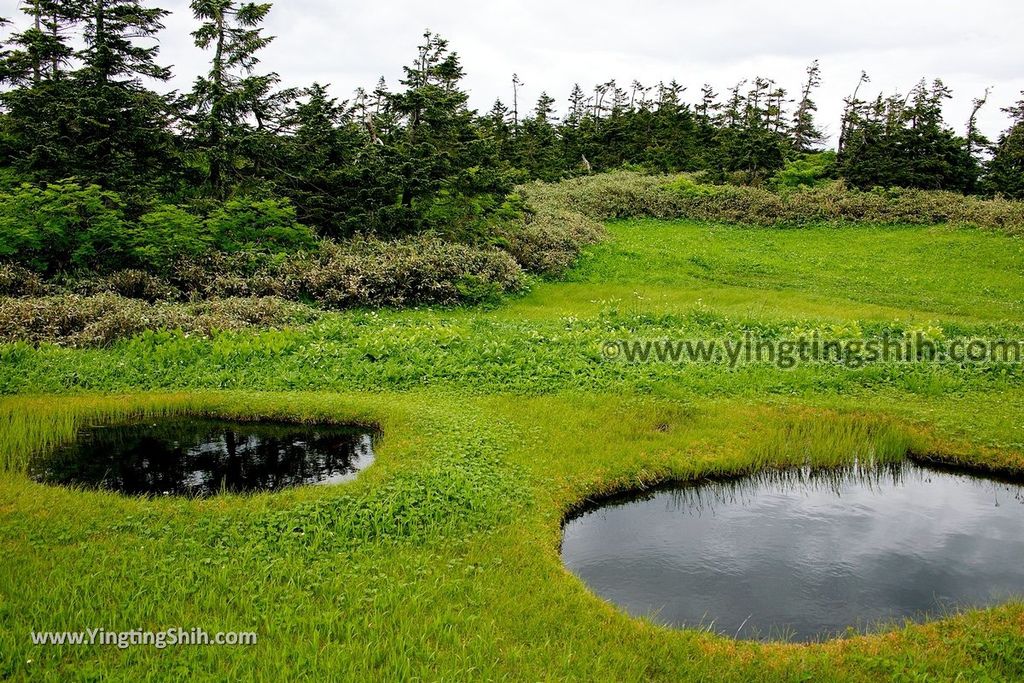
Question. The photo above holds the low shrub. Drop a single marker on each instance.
(237, 291)
(810, 170)
(130, 284)
(631, 195)
(166, 235)
(361, 272)
(689, 186)
(607, 196)
(422, 270)
(19, 281)
(74, 320)
(549, 242)
(68, 227)
(258, 225)
(62, 226)
(245, 274)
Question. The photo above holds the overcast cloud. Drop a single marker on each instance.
(553, 44)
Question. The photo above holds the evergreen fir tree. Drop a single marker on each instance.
(1006, 170)
(226, 100)
(806, 135)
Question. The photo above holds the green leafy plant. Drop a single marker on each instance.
(167, 234)
(62, 226)
(268, 225)
(810, 170)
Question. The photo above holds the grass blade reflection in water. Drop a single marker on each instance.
(805, 555)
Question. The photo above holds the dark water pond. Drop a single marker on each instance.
(805, 556)
(200, 457)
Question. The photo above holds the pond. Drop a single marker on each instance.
(204, 457)
(804, 556)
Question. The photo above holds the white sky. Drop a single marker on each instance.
(551, 44)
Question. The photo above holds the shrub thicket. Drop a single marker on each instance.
(548, 240)
(68, 227)
(19, 281)
(358, 272)
(237, 291)
(75, 320)
(62, 226)
(369, 272)
(188, 260)
(632, 195)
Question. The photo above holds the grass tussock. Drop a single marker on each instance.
(818, 440)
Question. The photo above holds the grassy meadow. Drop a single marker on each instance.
(441, 561)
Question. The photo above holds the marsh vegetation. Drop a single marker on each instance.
(502, 421)
(250, 254)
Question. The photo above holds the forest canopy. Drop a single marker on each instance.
(115, 169)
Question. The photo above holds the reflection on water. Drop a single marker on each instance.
(200, 457)
(802, 554)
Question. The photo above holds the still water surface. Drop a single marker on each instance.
(200, 457)
(804, 556)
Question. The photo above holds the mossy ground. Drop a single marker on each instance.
(441, 561)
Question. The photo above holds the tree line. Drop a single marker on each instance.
(79, 101)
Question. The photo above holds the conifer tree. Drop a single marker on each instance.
(806, 135)
(42, 50)
(122, 126)
(89, 113)
(904, 142)
(1006, 170)
(451, 172)
(226, 100)
(539, 145)
(113, 29)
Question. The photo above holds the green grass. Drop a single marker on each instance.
(834, 272)
(441, 560)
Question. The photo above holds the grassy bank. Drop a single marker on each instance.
(457, 576)
(441, 560)
(653, 281)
